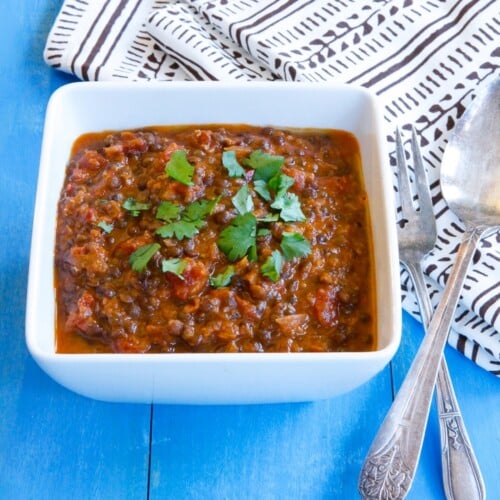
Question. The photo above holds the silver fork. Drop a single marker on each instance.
(390, 466)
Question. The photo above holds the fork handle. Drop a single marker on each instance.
(392, 459)
(462, 479)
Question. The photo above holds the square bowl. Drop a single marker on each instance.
(216, 378)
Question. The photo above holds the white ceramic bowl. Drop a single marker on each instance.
(210, 378)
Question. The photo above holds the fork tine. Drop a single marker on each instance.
(405, 196)
(421, 180)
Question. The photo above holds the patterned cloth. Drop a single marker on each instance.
(425, 60)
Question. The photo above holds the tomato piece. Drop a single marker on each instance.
(325, 306)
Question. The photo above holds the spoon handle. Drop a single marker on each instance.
(462, 479)
(392, 459)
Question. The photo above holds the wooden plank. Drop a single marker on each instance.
(53, 443)
(310, 450)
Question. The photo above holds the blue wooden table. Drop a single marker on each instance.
(57, 445)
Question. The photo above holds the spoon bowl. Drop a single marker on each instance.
(470, 173)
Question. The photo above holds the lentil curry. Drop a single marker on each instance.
(223, 238)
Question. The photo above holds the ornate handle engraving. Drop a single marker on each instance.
(385, 475)
(462, 478)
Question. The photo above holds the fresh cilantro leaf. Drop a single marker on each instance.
(180, 229)
(224, 278)
(263, 231)
(239, 237)
(179, 168)
(167, 211)
(272, 266)
(289, 206)
(280, 183)
(174, 266)
(140, 258)
(242, 200)
(265, 164)
(252, 253)
(266, 172)
(199, 209)
(107, 228)
(192, 219)
(294, 245)
(269, 218)
(135, 207)
(260, 187)
(234, 169)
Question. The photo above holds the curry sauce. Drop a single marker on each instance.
(220, 238)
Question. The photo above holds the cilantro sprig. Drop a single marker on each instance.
(189, 221)
(260, 186)
(167, 211)
(105, 226)
(272, 266)
(239, 238)
(200, 209)
(289, 206)
(229, 161)
(140, 258)
(135, 207)
(175, 266)
(180, 229)
(179, 168)
(242, 200)
(265, 165)
(294, 245)
(222, 279)
(280, 183)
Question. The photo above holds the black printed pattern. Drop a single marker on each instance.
(425, 59)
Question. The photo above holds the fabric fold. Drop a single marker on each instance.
(203, 51)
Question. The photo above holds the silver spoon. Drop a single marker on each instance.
(470, 180)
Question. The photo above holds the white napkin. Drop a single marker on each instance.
(425, 59)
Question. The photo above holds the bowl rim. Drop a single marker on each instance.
(71, 90)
